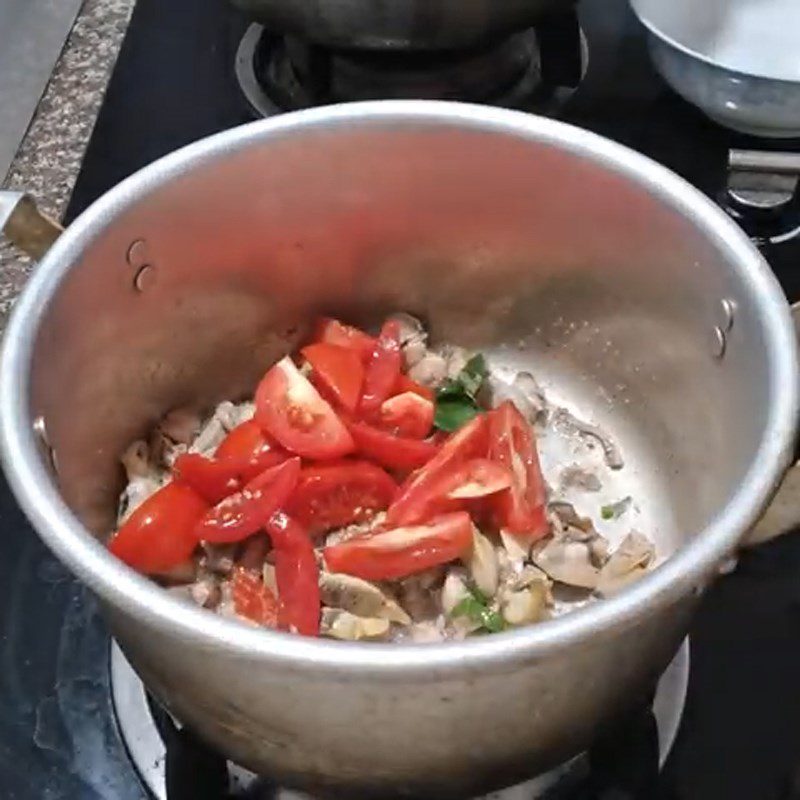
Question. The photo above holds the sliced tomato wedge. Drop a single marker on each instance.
(403, 551)
(330, 496)
(405, 384)
(520, 509)
(476, 478)
(413, 501)
(252, 599)
(159, 534)
(334, 332)
(212, 479)
(338, 371)
(407, 414)
(242, 514)
(460, 486)
(383, 368)
(390, 451)
(251, 449)
(296, 574)
(291, 410)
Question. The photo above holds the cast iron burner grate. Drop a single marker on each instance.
(623, 764)
(535, 69)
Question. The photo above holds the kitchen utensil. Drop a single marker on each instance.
(734, 59)
(628, 293)
(401, 24)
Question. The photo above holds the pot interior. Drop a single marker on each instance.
(544, 255)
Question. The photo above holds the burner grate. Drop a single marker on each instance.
(535, 69)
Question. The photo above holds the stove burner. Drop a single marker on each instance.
(536, 69)
(149, 733)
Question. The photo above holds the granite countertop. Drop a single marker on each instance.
(49, 158)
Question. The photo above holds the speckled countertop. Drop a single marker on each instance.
(49, 158)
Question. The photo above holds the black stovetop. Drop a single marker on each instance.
(174, 83)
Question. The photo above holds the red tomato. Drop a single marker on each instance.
(407, 414)
(339, 371)
(159, 534)
(403, 551)
(476, 478)
(334, 332)
(405, 384)
(457, 487)
(210, 478)
(330, 496)
(291, 410)
(519, 510)
(247, 511)
(250, 448)
(383, 368)
(252, 599)
(468, 442)
(390, 451)
(297, 575)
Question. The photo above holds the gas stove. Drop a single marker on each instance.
(724, 721)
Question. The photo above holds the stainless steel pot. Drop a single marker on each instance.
(399, 24)
(734, 59)
(622, 287)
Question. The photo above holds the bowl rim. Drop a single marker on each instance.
(127, 592)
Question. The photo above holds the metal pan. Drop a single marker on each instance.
(634, 300)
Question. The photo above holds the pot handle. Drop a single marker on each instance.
(783, 513)
(34, 233)
(25, 226)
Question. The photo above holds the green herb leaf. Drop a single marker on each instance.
(473, 375)
(455, 398)
(615, 510)
(479, 595)
(451, 413)
(475, 607)
(492, 621)
(468, 607)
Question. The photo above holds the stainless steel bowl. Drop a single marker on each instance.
(625, 290)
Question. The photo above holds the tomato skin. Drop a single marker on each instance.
(252, 599)
(296, 574)
(383, 368)
(412, 502)
(339, 370)
(476, 478)
(405, 384)
(242, 514)
(521, 508)
(390, 451)
(292, 411)
(158, 535)
(212, 479)
(403, 551)
(407, 414)
(250, 449)
(329, 496)
(334, 332)
(463, 486)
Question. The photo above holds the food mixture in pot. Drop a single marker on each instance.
(376, 488)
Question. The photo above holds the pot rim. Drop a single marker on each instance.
(130, 593)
